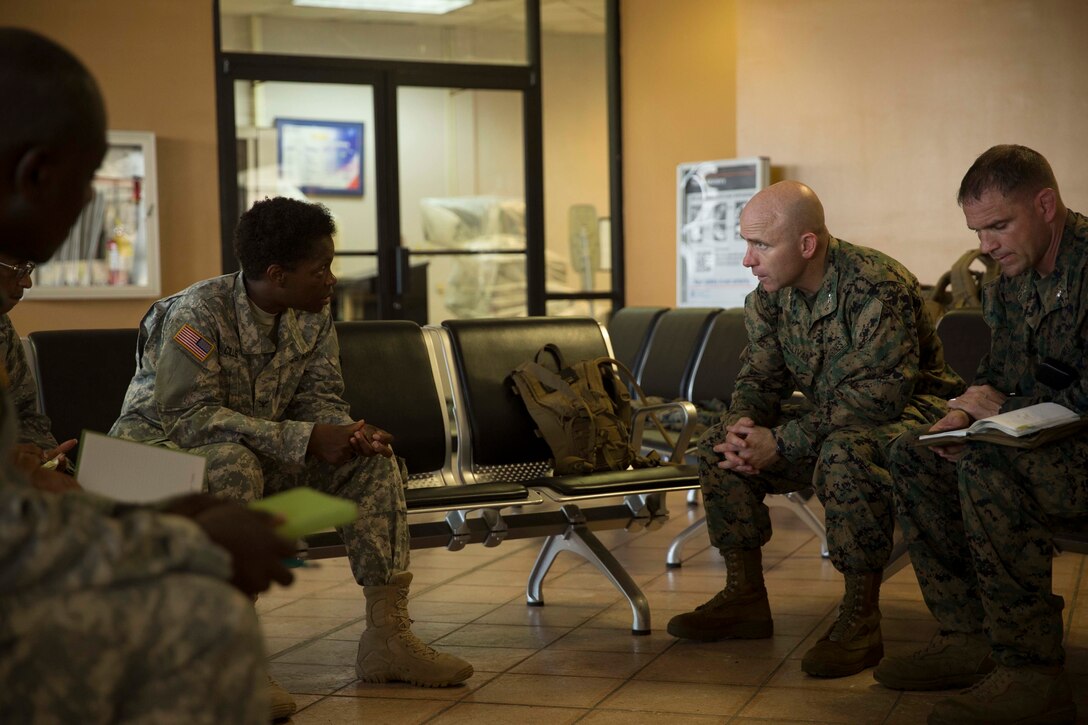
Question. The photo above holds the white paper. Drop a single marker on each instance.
(136, 472)
(1016, 423)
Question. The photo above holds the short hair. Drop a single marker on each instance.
(49, 95)
(1008, 169)
(279, 231)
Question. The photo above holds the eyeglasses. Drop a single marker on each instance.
(21, 270)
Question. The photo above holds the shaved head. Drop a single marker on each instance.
(783, 226)
(789, 207)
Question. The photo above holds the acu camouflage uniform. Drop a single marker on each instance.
(117, 618)
(866, 357)
(33, 426)
(249, 404)
(979, 529)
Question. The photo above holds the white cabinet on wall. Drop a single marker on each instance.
(112, 251)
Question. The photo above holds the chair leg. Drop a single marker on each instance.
(693, 497)
(534, 589)
(578, 539)
(674, 557)
(792, 501)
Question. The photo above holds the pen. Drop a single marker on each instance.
(296, 563)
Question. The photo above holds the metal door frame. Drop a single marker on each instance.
(386, 76)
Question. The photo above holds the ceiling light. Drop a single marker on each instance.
(433, 7)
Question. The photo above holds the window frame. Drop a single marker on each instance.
(386, 76)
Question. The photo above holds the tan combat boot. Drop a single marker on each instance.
(388, 651)
(740, 611)
(1032, 695)
(853, 642)
(950, 660)
(283, 705)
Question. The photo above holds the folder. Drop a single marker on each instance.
(136, 472)
(306, 511)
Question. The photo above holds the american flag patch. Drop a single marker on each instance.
(194, 342)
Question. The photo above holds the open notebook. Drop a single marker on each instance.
(136, 472)
(1022, 428)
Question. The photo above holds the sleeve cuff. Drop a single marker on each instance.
(793, 444)
(296, 439)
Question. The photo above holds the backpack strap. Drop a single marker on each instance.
(551, 349)
(964, 283)
(627, 377)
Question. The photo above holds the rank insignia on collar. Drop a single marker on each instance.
(197, 345)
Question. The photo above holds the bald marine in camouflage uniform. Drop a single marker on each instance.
(244, 369)
(845, 326)
(978, 517)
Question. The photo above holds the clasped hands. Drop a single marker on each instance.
(748, 448)
(977, 402)
(338, 444)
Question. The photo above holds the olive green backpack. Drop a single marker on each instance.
(582, 411)
(961, 287)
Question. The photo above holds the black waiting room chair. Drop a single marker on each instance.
(629, 331)
(82, 377)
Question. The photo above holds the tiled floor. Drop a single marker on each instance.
(575, 660)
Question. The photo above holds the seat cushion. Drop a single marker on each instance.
(620, 482)
(473, 494)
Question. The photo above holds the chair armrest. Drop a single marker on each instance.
(689, 415)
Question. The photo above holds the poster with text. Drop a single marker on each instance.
(710, 249)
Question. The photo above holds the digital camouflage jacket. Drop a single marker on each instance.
(865, 354)
(206, 375)
(1033, 318)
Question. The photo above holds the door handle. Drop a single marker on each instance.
(402, 271)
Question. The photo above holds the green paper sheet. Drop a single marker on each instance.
(307, 511)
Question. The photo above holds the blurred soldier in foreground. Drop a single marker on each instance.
(109, 613)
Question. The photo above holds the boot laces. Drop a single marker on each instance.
(995, 683)
(936, 645)
(402, 623)
(734, 573)
(848, 612)
(715, 600)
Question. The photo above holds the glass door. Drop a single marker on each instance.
(442, 117)
(315, 141)
(462, 203)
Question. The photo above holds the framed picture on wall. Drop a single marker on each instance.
(321, 157)
(112, 249)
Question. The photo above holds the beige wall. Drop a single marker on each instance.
(154, 63)
(882, 105)
(879, 104)
(679, 89)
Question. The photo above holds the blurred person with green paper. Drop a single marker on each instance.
(108, 613)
